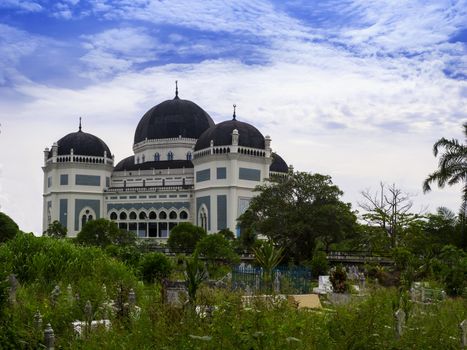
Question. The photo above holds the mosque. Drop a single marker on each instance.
(184, 168)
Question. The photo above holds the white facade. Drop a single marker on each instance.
(166, 182)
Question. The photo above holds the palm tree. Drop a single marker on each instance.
(452, 169)
(452, 166)
(268, 256)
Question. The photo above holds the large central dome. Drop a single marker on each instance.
(173, 118)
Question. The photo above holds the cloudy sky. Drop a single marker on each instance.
(356, 89)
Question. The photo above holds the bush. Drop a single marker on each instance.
(319, 263)
(56, 230)
(338, 279)
(184, 236)
(102, 232)
(8, 228)
(155, 267)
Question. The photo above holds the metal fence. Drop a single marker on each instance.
(288, 280)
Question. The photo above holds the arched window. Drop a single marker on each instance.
(137, 160)
(162, 215)
(132, 215)
(189, 156)
(87, 216)
(170, 155)
(123, 216)
(142, 216)
(152, 215)
(143, 158)
(113, 216)
(173, 215)
(203, 218)
(183, 215)
(157, 157)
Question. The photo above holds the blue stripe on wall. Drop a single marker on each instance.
(249, 174)
(88, 180)
(221, 212)
(203, 175)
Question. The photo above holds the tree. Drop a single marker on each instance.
(452, 169)
(8, 228)
(102, 232)
(389, 209)
(452, 165)
(195, 274)
(155, 267)
(297, 210)
(184, 236)
(56, 230)
(268, 256)
(216, 247)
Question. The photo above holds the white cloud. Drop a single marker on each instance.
(28, 6)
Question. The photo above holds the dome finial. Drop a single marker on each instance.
(79, 129)
(234, 114)
(176, 88)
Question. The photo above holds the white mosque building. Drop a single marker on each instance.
(185, 168)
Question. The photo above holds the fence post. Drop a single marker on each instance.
(49, 337)
(463, 327)
(400, 322)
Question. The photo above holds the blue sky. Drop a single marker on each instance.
(356, 89)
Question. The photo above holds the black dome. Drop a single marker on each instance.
(172, 118)
(83, 144)
(278, 164)
(221, 134)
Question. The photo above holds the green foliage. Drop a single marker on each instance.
(296, 211)
(216, 247)
(56, 230)
(130, 255)
(338, 279)
(268, 256)
(103, 232)
(155, 267)
(229, 235)
(48, 261)
(8, 228)
(184, 236)
(453, 269)
(319, 263)
(195, 274)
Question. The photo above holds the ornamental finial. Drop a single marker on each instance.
(176, 88)
(79, 124)
(234, 114)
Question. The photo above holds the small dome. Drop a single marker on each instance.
(83, 144)
(173, 118)
(221, 135)
(278, 164)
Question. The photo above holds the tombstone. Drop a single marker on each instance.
(257, 283)
(49, 337)
(38, 320)
(422, 290)
(248, 290)
(104, 291)
(400, 322)
(277, 283)
(88, 311)
(132, 297)
(69, 293)
(362, 281)
(172, 292)
(443, 295)
(54, 295)
(324, 285)
(14, 284)
(463, 327)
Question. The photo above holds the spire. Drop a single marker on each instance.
(234, 114)
(79, 129)
(176, 88)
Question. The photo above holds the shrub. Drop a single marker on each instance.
(338, 279)
(319, 263)
(154, 267)
(8, 228)
(184, 236)
(102, 232)
(56, 230)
